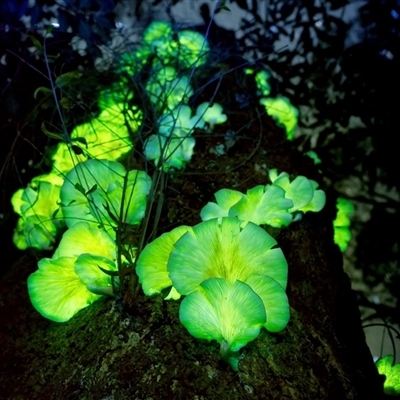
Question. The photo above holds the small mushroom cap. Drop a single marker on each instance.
(152, 263)
(220, 310)
(211, 114)
(56, 291)
(385, 367)
(264, 205)
(283, 112)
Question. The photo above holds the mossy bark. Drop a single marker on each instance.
(111, 351)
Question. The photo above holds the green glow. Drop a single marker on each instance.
(212, 115)
(260, 205)
(72, 279)
(385, 367)
(283, 112)
(264, 205)
(341, 224)
(84, 238)
(118, 94)
(107, 136)
(166, 90)
(262, 81)
(64, 159)
(226, 250)
(225, 312)
(94, 189)
(302, 191)
(151, 266)
(312, 154)
(159, 37)
(56, 291)
(173, 146)
(226, 198)
(274, 299)
(40, 214)
(192, 49)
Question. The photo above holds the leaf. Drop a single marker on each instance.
(65, 103)
(52, 135)
(67, 78)
(36, 43)
(49, 29)
(110, 214)
(92, 189)
(43, 89)
(108, 272)
(79, 188)
(55, 213)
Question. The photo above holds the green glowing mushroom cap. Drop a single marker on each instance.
(283, 112)
(107, 136)
(341, 224)
(345, 209)
(84, 238)
(226, 250)
(302, 191)
(264, 205)
(230, 313)
(40, 213)
(212, 115)
(226, 198)
(72, 279)
(275, 301)
(262, 80)
(385, 367)
(159, 37)
(192, 49)
(152, 263)
(94, 190)
(167, 90)
(260, 205)
(56, 291)
(173, 146)
(64, 159)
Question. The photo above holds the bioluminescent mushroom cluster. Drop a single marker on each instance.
(341, 224)
(227, 267)
(280, 108)
(229, 270)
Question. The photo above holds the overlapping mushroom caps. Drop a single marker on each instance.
(102, 192)
(225, 270)
(173, 145)
(40, 216)
(72, 278)
(276, 205)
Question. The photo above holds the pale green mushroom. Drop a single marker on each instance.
(385, 367)
(230, 313)
(40, 215)
(72, 278)
(283, 112)
(94, 191)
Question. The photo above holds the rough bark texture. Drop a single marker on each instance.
(108, 351)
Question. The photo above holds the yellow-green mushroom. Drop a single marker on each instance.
(385, 367)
